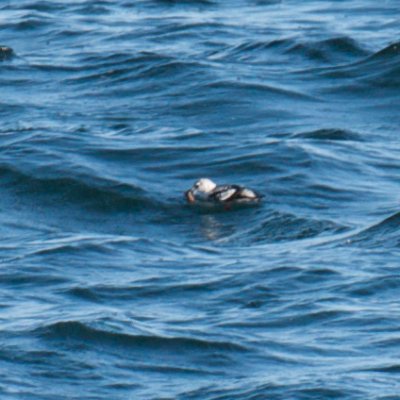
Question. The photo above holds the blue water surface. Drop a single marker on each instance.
(111, 287)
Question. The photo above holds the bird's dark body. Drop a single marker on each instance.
(219, 193)
(238, 193)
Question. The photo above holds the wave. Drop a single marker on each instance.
(384, 68)
(31, 22)
(117, 66)
(316, 318)
(381, 287)
(388, 53)
(139, 76)
(256, 88)
(385, 368)
(27, 279)
(283, 227)
(40, 6)
(90, 192)
(380, 70)
(154, 288)
(194, 3)
(384, 234)
(81, 332)
(112, 58)
(333, 50)
(97, 8)
(330, 134)
(307, 389)
(110, 65)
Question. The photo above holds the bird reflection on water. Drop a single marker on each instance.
(212, 228)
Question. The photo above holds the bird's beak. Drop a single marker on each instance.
(190, 196)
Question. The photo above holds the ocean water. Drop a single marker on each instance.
(111, 287)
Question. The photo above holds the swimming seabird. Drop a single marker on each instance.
(205, 190)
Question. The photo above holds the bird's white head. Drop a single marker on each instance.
(200, 190)
(204, 185)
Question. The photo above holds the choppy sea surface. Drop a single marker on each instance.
(111, 287)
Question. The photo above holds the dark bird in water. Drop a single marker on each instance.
(5, 53)
(206, 191)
